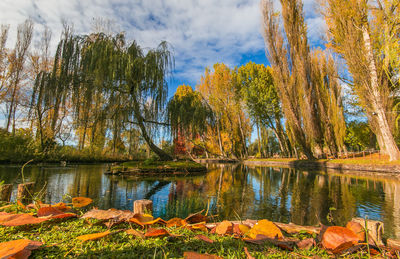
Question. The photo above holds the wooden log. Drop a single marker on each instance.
(25, 192)
(5, 192)
(375, 229)
(143, 206)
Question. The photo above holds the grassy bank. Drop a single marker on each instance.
(154, 166)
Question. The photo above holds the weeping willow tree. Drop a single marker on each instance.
(189, 115)
(109, 84)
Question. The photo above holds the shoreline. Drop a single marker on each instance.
(361, 169)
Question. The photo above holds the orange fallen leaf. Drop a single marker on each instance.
(17, 248)
(357, 229)
(194, 255)
(335, 237)
(79, 202)
(61, 206)
(156, 221)
(64, 216)
(143, 218)
(266, 228)
(241, 229)
(22, 206)
(196, 218)
(198, 226)
(134, 233)
(204, 238)
(93, 236)
(48, 211)
(159, 232)
(248, 254)
(224, 227)
(306, 243)
(8, 219)
(176, 222)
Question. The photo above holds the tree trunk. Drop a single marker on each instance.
(246, 154)
(259, 139)
(161, 153)
(219, 140)
(390, 146)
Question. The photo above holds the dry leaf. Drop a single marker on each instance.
(134, 233)
(79, 202)
(338, 237)
(159, 232)
(248, 254)
(48, 211)
(22, 206)
(266, 228)
(199, 226)
(224, 227)
(93, 236)
(240, 229)
(8, 219)
(306, 243)
(116, 215)
(196, 218)
(194, 255)
(260, 239)
(357, 229)
(16, 247)
(61, 206)
(204, 238)
(176, 222)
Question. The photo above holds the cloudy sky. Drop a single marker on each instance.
(202, 32)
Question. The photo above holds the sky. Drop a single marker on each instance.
(200, 32)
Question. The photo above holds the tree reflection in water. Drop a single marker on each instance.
(231, 191)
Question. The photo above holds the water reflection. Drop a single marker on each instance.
(229, 191)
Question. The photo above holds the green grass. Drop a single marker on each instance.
(151, 164)
(59, 240)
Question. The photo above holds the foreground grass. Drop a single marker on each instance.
(59, 240)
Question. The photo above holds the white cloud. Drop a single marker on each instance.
(202, 32)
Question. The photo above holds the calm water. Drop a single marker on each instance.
(232, 192)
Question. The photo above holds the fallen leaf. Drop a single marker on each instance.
(64, 216)
(224, 227)
(248, 254)
(16, 248)
(93, 236)
(194, 255)
(134, 233)
(6, 206)
(306, 243)
(260, 239)
(357, 229)
(266, 228)
(204, 238)
(159, 232)
(176, 222)
(48, 211)
(335, 237)
(196, 218)
(8, 219)
(22, 206)
(79, 202)
(143, 218)
(117, 215)
(61, 206)
(198, 226)
(241, 229)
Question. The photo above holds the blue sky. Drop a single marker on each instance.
(201, 32)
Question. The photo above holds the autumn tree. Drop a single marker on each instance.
(257, 87)
(302, 82)
(16, 65)
(365, 34)
(232, 126)
(190, 116)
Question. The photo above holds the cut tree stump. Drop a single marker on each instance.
(143, 206)
(5, 192)
(25, 192)
(375, 229)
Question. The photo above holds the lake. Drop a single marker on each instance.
(229, 191)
